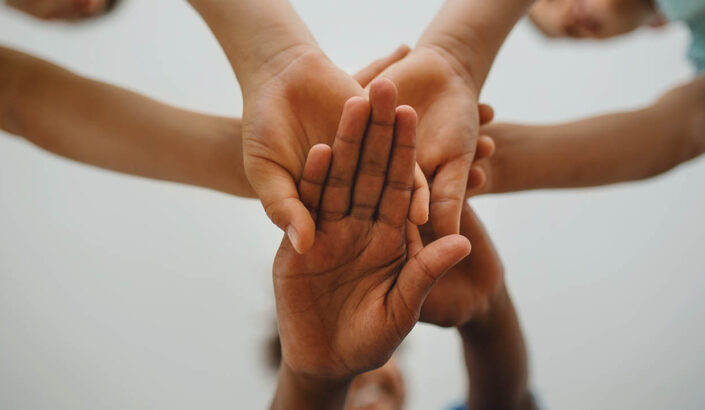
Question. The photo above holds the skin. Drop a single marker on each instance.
(441, 79)
(112, 128)
(109, 127)
(592, 18)
(294, 96)
(492, 340)
(606, 149)
(61, 9)
(368, 271)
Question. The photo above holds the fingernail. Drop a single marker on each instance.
(293, 236)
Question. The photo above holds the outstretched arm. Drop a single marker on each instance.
(109, 127)
(496, 359)
(601, 150)
(471, 32)
(442, 79)
(472, 297)
(293, 97)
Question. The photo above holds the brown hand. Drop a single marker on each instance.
(346, 304)
(467, 290)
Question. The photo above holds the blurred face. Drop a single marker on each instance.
(590, 18)
(61, 9)
(380, 389)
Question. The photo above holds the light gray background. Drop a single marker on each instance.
(122, 293)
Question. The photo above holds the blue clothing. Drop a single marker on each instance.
(692, 13)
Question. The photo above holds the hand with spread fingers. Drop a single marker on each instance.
(344, 306)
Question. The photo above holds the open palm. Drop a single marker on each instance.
(346, 304)
(294, 104)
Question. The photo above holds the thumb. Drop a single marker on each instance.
(280, 198)
(367, 74)
(423, 270)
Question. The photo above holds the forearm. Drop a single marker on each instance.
(295, 392)
(601, 150)
(255, 32)
(472, 32)
(496, 359)
(105, 126)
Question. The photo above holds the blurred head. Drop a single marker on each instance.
(63, 9)
(379, 389)
(592, 18)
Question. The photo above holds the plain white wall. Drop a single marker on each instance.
(117, 292)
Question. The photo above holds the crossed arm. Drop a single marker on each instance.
(601, 150)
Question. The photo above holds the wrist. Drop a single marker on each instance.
(258, 71)
(456, 56)
(255, 35)
(296, 390)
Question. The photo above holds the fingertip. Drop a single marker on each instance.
(407, 113)
(418, 214)
(355, 103)
(320, 151)
(402, 51)
(476, 178)
(301, 236)
(383, 88)
(485, 147)
(486, 113)
(462, 244)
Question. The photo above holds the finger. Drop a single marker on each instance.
(447, 195)
(375, 151)
(485, 147)
(280, 199)
(421, 272)
(346, 151)
(476, 178)
(418, 213)
(314, 176)
(367, 74)
(395, 203)
(414, 243)
(486, 113)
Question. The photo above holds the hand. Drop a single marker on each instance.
(344, 306)
(466, 292)
(291, 105)
(445, 98)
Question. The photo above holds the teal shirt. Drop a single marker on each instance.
(692, 13)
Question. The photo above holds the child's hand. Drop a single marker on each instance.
(345, 305)
(467, 290)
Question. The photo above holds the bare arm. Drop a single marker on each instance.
(472, 31)
(113, 128)
(601, 150)
(496, 359)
